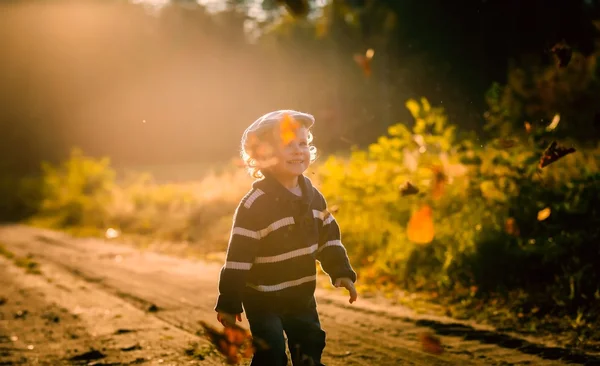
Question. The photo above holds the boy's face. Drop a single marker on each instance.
(292, 154)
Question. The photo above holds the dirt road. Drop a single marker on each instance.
(102, 303)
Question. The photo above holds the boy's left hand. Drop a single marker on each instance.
(349, 285)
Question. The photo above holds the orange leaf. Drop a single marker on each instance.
(420, 226)
(511, 228)
(364, 61)
(288, 129)
(543, 214)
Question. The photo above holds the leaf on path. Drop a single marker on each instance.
(431, 344)
(89, 356)
(420, 226)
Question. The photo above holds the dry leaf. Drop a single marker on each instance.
(511, 228)
(562, 53)
(439, 182)
(554, 123)
(506, 143)
(298, 8)
(364, 61)
(553, 153)
(408, 189)
(544, 214)
(288, 128)
(431, 344)
(527, 127)
(420, 226)
(234, 342)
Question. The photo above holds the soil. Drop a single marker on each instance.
(98, 302)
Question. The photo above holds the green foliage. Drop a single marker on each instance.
(77, 192)
(82, 194)
(486, 187)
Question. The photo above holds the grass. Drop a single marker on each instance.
(27, 262)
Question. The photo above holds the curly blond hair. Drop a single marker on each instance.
(258, 140)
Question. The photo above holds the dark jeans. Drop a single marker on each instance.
(306, 339)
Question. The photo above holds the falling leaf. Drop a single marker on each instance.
(553, 153)
(511, 228)
(420, 226)
(506, 143)
(554, 122)
(298, 8)
(527, 127)
(234, 342)
(544, 214)
(439, 182)
(288, 128)
(431, 344)
(364, 61)
(408, 189)
(563, 53)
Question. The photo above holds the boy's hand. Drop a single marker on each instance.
(228, 319)
(349, 285)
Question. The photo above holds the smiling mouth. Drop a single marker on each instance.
(295, 161)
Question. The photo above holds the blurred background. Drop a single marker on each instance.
(171, 82)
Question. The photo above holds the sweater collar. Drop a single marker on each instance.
(269, 184)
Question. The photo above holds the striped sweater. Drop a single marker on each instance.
(275, 240)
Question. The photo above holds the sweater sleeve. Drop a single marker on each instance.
(332, 253)
(241, 251)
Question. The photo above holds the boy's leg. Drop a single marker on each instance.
(306, 339)
(267, 329)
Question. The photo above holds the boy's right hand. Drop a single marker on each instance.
(228, 319)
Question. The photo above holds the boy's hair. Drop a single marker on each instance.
(257, 140)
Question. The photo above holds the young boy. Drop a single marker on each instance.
(280, 228)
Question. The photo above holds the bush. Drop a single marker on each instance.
(78, 192)
(485, 201)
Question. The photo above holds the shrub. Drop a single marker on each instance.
(77, 192)
(487, 231)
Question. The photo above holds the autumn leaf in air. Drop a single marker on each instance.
(298, 8)
(288, 129)
(364, 61)
(562, 53)
(544, 214)
(439, 182)
(553, 153)
(511, 228)
(408, 189)
(420, 226)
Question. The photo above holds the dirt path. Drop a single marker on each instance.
(111, 304)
